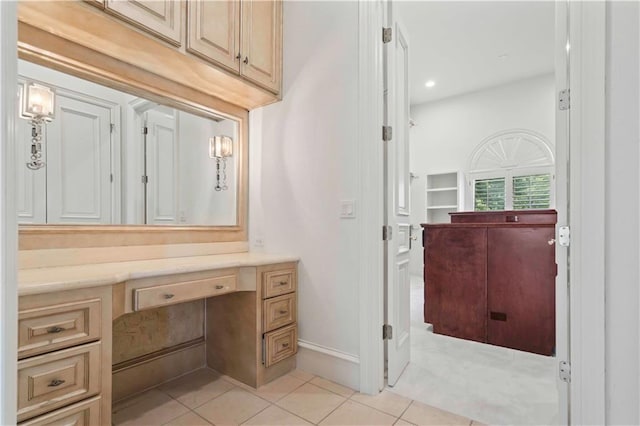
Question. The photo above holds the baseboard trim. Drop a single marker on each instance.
(329, 363)
(146, 372)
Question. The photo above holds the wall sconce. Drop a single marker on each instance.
(37, 105)
(221, 147)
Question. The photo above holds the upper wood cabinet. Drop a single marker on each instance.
(262, 43)
(163, 18)
(244, 37)
(213, 32)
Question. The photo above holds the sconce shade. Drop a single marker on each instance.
(220, 147)
(38, 102)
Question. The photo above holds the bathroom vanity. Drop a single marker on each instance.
(66, 314)
(134, 264)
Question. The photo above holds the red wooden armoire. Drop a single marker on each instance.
(490, 277)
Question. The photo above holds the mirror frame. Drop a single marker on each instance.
(39, 41)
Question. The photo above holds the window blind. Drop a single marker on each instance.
(489, 194)
(532, 192)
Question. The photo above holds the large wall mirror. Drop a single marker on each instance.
(138, 147)
(107, 157)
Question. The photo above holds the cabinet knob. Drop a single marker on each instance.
(56, 329)
(282, 312)
(168, 296)
(285, 345)
(551, 241)
(246, 60)
(219, 287)
(282, 283)
(56, 382)
(238, 56)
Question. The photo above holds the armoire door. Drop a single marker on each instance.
(78, 169)
(220, 42)
(455, 278)
(521, 288)
(261, 40)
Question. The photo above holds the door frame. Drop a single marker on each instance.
(587, 136)
(8, 216)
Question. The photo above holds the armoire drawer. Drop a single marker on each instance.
(278, 311)
(61, 326)
(276, 283)
(50, 381)
(85, 413)
(151, 297)
(280, 344)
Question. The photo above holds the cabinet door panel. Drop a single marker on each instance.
(163, 18)
(214, 31)
(455, 281)
(521, 299)
(262, 43)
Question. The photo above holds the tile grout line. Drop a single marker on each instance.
(332, 411)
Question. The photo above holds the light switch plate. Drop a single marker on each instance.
(348, 209)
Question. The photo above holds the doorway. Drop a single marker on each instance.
(483, 79)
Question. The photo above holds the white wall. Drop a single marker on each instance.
(447, 132)
(622, 253)
(303, 162)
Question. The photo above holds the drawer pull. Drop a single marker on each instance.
(285, 345)
(56, 382)
(56, 329)
(283, 283)
(282, 312)
(219, 287)
(169, 296)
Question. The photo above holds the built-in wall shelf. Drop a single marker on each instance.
(443, 196)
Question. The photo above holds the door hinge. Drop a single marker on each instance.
(145, 130)
(387, 332)
(564, 236)
(111, 177)
(564, 100)
(145, 179)
(564, 371)
(387, 133)
(112, 127)
(387, 232)
(387, 35)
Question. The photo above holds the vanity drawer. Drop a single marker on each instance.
(279, 311)
(49, 381)
(280, 344)
(151, 297)
(46, 329)
(275, 283)
(85, 413)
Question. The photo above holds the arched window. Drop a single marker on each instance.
(512, 170)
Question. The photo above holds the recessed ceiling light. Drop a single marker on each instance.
(430, 83)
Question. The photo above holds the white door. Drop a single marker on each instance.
(31, 185)
(397, 202)
(161, 167)
(78, 161)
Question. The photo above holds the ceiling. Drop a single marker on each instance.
(461, 46)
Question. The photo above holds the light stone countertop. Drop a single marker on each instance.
(51, 279)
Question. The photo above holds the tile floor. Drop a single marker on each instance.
(492, 384)
(205, 398)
